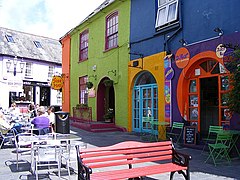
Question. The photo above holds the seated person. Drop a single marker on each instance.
(41, 122)
(14, 110)
(4, 126)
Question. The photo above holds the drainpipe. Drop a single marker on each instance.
(175, 33)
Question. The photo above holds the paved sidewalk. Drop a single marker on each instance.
(198, 169)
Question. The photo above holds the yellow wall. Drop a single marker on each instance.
(155, 65)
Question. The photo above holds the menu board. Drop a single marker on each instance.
(190, 135)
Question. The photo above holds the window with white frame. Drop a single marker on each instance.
(28, 70)
(167, 12)
(50, 71)
(111, 37)
(83, 92)
(83, 55)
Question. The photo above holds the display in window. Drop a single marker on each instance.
(224, 83)
(226, 114)
(193, 101)
(193, 86)
(193, 113)
(193, 124)
(224, 99)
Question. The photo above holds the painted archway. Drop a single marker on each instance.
(144, 101)
(105, 100)
(200, 91)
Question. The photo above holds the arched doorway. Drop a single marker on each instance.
(201, 92)
(145, 100)
(106, 101)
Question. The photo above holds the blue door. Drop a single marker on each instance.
(145, 101)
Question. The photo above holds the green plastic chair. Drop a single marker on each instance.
(219, 151)
(212, 135)
(148, 123)
(176, 131)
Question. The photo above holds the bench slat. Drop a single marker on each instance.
(124, 162)
(136, 172)
(126, 151)
(127, 156)
(128, 145)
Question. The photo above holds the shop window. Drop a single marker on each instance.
(167, 12)
(83, 91)
(193, 86)
(111, 37)
(193, 108)
(145, 78)
(208, 65)
(83, 53)
(224, 110)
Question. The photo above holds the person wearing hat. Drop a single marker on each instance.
(41, 122)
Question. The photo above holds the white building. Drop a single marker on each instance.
(27, 64)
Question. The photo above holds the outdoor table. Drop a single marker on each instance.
(162, 132)
(236, 135)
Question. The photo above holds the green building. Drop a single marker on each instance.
(98, 68)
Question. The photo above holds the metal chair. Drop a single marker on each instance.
(23, 143)
(69, 155)
(148, 125)
(212, 135)
(46, 155)
(176, 131)
(219, 150)
(7, 137)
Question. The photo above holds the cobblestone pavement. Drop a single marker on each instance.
(198, 169)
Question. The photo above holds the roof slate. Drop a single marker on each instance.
(24, 46)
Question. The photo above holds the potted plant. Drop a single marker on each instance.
(78, 106)
(89, 85)
(108, 116)
(108, 82)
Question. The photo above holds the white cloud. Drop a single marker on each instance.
(50, 18)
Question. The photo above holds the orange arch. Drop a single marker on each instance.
(183, 80)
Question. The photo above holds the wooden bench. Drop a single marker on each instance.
(131, 159)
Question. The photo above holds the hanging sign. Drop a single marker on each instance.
(182, 57)
(57, 82)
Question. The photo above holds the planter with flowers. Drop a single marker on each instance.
(108, 116)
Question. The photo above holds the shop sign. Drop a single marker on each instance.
(15, 85)
(182, 57)
(169, 73)
(220, 50)
(57, 82)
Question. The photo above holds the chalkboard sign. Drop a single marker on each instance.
(190, 135)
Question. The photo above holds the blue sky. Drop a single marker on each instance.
(45, 17)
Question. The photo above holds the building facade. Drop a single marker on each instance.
(28, 63)
(98, 56)
(177, 70)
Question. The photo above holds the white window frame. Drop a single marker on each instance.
(166, 6)
(28, 69)
(50, 71)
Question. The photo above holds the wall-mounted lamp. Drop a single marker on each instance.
(135, 64)
(184, 43)
(113, 71)
(15, 61)
(93, 76)
(219, 31)
(94, 67)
